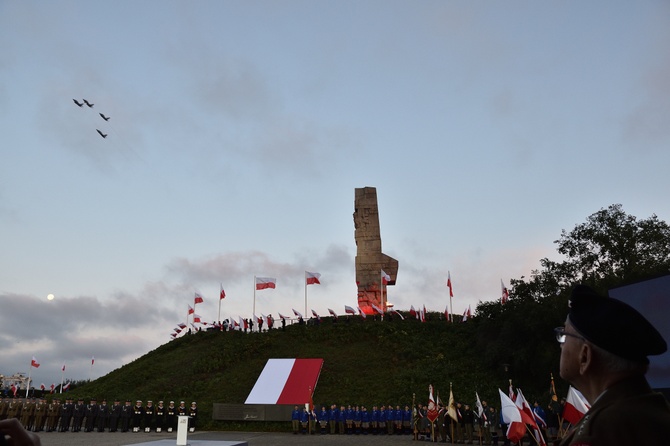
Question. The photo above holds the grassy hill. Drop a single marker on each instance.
(365, 362)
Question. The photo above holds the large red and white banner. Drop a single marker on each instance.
(286, 381)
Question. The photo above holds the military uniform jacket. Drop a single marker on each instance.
(628, 413)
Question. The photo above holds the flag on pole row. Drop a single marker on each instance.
(332, 313)
(297, 313)
(312, 278)
(575, 406)
(385, 278)
(451, 290)
(92, 360)
(222, 294)
(432, 412)
(34, 363)
(265, 282)
(505, 294)
(349, 310)
(190, 310)
(511, 415)
(198, 299)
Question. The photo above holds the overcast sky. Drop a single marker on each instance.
(239, 130)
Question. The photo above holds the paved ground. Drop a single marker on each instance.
(252, 438)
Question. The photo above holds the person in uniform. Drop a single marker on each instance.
(149, 411)
(126, 415)
(349, 419)
(27, 412)
(159, 419)
(304, 420)
(40, 415)
(407, 419)
(390, 419)
(53, 415)
(332, 417)
(138, 415)
(295, 419)
(114, 415)
(91, 414)
(171, 417)
(323, 420)
(604, 349)
(78, 414)
(193, 414)
(4, 406)
(103, 415)
(341, 418)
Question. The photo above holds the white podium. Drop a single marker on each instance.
(182, 430)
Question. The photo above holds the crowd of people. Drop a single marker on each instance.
(472, 426)
(37, 415)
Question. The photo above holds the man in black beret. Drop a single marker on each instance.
(604, 349)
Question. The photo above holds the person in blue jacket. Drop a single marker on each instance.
(323, 419)
(295, 419)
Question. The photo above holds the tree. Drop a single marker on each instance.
(610, 249)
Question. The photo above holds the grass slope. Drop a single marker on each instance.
(365, 362)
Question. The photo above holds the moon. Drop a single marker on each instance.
(50, 297)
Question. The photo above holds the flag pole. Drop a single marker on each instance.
(451, 308)
(381, 291)
(62, 375)
(29, 372)
(254, 295)
(218, 317)
(305, 292)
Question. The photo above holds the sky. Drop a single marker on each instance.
(239, 130)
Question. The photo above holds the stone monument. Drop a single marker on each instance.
(370, 261)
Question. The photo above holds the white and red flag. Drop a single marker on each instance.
(66, 386)
(451, 290)
(362, 313)
(182, 325)
(513, 418)
(42, 387)
(281, 316)
(432, 412)
(222, 294)
(34, 363)
(92, 360)
(312, 278)
(480, 409)
(296, 313)
(523, 405)
(332, 313)
(349, 310)
(316, 315)
(190, 310)
(286, 381)
(467, 314)
(385, 278)
(265, 282)
(196, 318)
(377, 309)
(446, 313)
(62, 369)
(53, 386)
(198, 299)
(412, 311)
(575, 406)
(505, 294)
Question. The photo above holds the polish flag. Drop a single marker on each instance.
(190, 310)
(332, 313)
(349, 310)
(412, 311)
(174, 335)
(222, 294)
(265, 282)
(446, 312)
(182, 325)
(511, 415)
(451, 290)
(42, 387)
(296, 312)
(432, 412)
(363, 315)
(198, 299)
(575, 406)
(53, 386)
(316, 315)
(178, 330)
(385, 278)
(377, 309)
(63, 368)
(286, 381)
(66, 386)
(92, 360)
(196, 318)
(396, 312)
(34, 363)
(281, 316)
(505, 293)
(312, 278)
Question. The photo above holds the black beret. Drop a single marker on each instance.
(614, 326)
